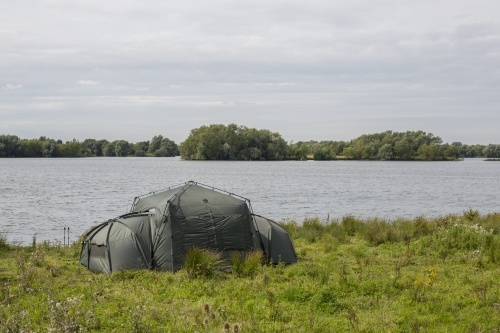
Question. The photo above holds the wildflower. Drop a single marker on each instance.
(432, 272)
(418, 282)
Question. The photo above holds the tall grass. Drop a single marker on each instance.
(353, 275)
(201, 262)
(3, 241)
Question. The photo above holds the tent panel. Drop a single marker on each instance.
(159, 199)
(196, 194)
(277, 241)
(162, 247)
(99, 237)
(236, 233)
(99, 264)
(264, 231)
(140, 227)
(125, 253)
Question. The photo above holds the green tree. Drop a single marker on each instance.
(232, 142)
(121, 148)
(155, 144)
(69, 149)
(10, 146)
(168, 148)
(385, 152)
(108, 149)
(141, 148)
(31, 148)
(429, 153)
(403, 149)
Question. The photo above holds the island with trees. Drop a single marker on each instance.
(235, 142)
(13, 146)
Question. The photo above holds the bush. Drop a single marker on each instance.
(380, 232)
(3, 242)
(246, 265)
(312, 230)
(201, 262)
(351, 225)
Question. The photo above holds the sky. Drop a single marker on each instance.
(310, 70)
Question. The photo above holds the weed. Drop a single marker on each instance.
(136, 319)
(351, 225)
(33, 241)
(312, 230)
(352, 317)
(380, 232)
(274, 309)
(471, 214)
(298, 294)
(328, 301)
(68, 315)
(27, 266)
(426, 275)
(3, 241)
(246, 265)
(343, 273)
(423, 284)
(481, 291)
(201, 262)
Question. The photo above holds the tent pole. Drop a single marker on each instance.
(107, 246)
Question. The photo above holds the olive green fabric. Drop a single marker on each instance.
(276, 241)
(196, 216)
(163, 226)
(121, 243)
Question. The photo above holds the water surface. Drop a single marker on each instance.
(41, 196)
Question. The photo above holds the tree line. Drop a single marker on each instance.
(13, 146)
(234, 142)
(389, 145)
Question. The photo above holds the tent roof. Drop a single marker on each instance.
(198, 194)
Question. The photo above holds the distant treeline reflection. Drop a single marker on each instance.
(233, 142)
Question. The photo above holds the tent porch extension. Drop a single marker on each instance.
(163, 226)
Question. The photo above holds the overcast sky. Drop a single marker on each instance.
(315, 69)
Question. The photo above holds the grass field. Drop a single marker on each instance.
(421, 275)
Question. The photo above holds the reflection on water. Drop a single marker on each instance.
(41, 196)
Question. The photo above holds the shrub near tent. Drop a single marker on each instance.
(163, 226)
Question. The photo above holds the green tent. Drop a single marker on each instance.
(163, 226)
(121, 243)
(276, 241)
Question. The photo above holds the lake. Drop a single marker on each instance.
(41, 196)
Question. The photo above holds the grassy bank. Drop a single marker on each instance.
(421, 275)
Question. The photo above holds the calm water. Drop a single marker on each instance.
(40, 196)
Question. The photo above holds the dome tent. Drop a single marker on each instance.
(276, 241)
(120, 243)
(176, 220)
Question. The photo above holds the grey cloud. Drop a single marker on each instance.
(268, 64)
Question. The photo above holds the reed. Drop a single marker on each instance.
(353, 275)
